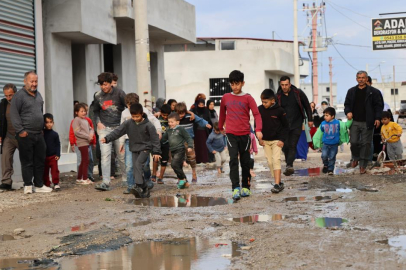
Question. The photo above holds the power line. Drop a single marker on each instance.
(354, 45)
(343, 57)
(349, 18)
(331, 2)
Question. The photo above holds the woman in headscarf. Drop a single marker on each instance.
(159, 103)
(201, 134)
(198, 97)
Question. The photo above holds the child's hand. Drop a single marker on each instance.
(400, 135)
(214, 152)
(94, 146)
(256, 153)
(189, 150)
(100, 126)
(122, 150)
(280, 144)
(57, 158)
(208, 126)
(73, 148)
(159, 135)
(103, 140)
(156, 158)
(192, 115)
(259, 135)
(261, 142)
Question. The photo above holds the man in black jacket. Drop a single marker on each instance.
(7, 137)
(296, 105)
(363, 104)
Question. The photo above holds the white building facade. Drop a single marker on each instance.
(325, 92)
(390, 96)
(204, 67)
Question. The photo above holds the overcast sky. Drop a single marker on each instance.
(349, 21)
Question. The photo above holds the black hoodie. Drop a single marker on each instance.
(275, 125)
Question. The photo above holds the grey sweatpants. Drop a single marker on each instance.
(139, 160)
(360, 140)
(395, 150)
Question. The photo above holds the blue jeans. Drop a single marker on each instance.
(147, 169)
(328, 155)
(105, 149)
(129, 165)
(79, 160)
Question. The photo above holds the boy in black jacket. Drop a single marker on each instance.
(275, 129)
(143, 139)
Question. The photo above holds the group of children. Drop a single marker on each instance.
(139, 139)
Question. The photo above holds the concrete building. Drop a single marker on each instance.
(324, 92)
(391, 97)
(70, 42)
(204, 67)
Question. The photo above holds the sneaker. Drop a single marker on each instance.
(237, 194)
(57, 187)
(277, 188)
(137, 192)
(43, 189)
(150, 184)
(79, 181)
(160, 181)
(91, 179)
(145, 193)
(127, 191)
(325, 169)
(330, 173)
(183, 184)
(102, 187)
(28, 190)
(5, 187)
(245, 192)
(86, 182)
(289, 171)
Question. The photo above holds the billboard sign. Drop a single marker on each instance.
(388, 33)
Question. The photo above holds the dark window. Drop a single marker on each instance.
(271, 85)
(227, 45)
(327, 89)
(108, 58)
(396, 91)
(219, 87)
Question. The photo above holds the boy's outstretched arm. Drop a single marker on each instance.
(154, 137)
(222, 117)
(200, 121)
(117, 133)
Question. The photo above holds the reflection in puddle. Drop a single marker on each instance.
(5, 237)
(308, 172)
(398, 243)
(258, 218)
(329, 222)
(181, 201)
(193, 253)
(344, 190)
(28, 264)
(141, 223)
(81, 227)
(303, 199)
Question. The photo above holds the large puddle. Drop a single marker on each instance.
(258, 218)
(318, 171)
(189, 253)
(304, 199)
(326, 222)
(398, 244)
(181, 201)
(29, 264)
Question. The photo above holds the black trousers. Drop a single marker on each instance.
(239, 145)
(178, 157)
(289, 148)
(32, 157)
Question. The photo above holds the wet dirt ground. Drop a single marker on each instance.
(345, 221)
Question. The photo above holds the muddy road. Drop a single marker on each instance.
(345, 221)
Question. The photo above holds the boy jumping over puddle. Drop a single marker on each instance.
(235, 115)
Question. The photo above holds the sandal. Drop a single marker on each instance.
(153, 178)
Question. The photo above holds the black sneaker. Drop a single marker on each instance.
(137, 192)
(325, 169)
(5, 187)
(277, 188)
(145, 193)
(91, 178)
(330, 173)
(150, 184)
(289, 171)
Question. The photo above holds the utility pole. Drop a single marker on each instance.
(313, 12)
(394, 87)
(295, 46)
(331, 80)
(142, 50)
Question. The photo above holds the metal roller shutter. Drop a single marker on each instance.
(17, 41)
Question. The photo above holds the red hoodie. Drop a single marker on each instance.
(235, 113)
(72, 138)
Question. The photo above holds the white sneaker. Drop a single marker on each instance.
(57, 187)
(28, 190)
(79, 181)
(43, 189)
(86, 182)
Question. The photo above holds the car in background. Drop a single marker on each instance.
(402, 110)
(340, 115)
